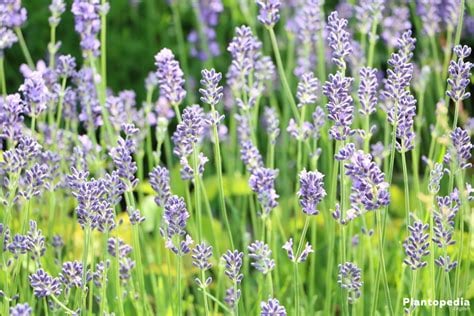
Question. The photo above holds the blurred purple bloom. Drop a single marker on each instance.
(416, 245)
(367, 13)
(35, 93)
(271, 123)
(394, 25)
(349, 279)
(308, 88)
(262, 182)
(272, 307)
(116, 247)
(170, 77)
(11, 119)
(87, 24)
(260, 254)
(66, 66)
(7, 39)
(57, 8)
(21, 310)
(12, 14)
(446, 263)
(429, 12)
(209, 11)
(71, 274)
(448, 207)
(269, 12)
(35, 241)
(251, 156)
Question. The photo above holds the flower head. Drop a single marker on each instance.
(160, 182)
(170, 76)
(368, 90)
(262, 182)
(211, 91)
(21, 310)
(462, 147)
(272, 307)
(459, 74)
(349, 278)
(308, 87)
(311, 191)
(416, 245)
(260, 254)
(269, 13)
(44, 285)
(339, 39)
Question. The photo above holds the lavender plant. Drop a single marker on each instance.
(326, 145)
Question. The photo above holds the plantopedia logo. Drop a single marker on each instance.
(458, 303)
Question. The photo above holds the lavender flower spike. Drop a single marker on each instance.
(368, 90)
(21, 310)
(349, 278)
(211, 92)
(269, 13)
(416, 246)
(340, 105)
(462, 147)
(459, 74)
(262, 182)
(311, 191)
(160, 182)
(170, 77)
(44, 285)
(339, 39)
(272, 308)
(307, 89)
(260, 253)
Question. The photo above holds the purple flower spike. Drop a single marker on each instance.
(308, 87)
(262, 182)
(272, 307)
(35, 93)
(175, 218)
(190, 131)
(459, 74)
(429, 11)
(233, 264)
(170, 77)
(349, 278)
(160, 182)
(202, 253)
(367, 13)
(21, 310)
(211, 91)
(269, 13)
(446, 263)
(395, 24)
(448, 207)
(416, 246)
(339, 39)
(271, 123)
(57, 8)
(87, 24)
(260, 254)
(311, 191)
(7, 39)
(71, 274)
(340, 106)
(368, 90)
(462, 147)
(44, 285)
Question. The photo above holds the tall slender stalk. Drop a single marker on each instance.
(3, 84)
(24, 48)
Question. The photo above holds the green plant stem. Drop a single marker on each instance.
(296, 279)
(197, 193)
(52, 46)
(181, 46)
(60, 102)
(60, 304)
(178, 281)
(372, 42)
(3, 83)
(281, 72)
(439, 85)
(24, 48)
(218, 160)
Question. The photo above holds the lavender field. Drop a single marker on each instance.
(236, 157)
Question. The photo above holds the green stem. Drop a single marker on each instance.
(24, 48)
(218, 159)
(178, 281)
(197, 193)
(281, 72)
(3, 84)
